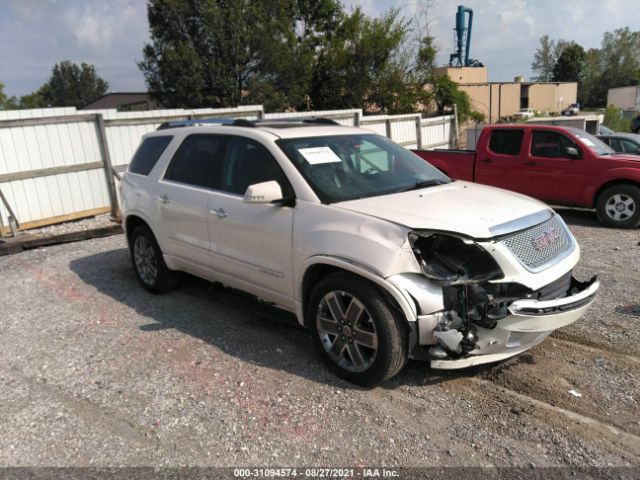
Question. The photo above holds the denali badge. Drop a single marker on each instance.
(546, 239)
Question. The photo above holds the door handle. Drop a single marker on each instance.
(486, 160)
(530, 163)
(219, 212)
(164, 199)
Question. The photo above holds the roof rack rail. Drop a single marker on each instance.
(319, 120)
(203, 121)
(243, 122)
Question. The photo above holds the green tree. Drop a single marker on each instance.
(226, 53)
(364, 65)
(615, 121)
(590, 87)
(569, 66)
(545, 58)
(620, 53)
(6, 102)
(70, 85)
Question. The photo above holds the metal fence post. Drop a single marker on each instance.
(108, 169)
(419, 131)
(455, 126)
(387, 125)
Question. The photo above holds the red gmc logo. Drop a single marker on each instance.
(546, 239)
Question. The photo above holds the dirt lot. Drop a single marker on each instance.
(96, 372)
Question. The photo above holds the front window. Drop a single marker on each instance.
(347, 167)
(596, 145)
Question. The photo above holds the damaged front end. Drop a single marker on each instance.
(483, 317)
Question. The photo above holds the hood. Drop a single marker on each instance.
(625, 156)
(477, 211)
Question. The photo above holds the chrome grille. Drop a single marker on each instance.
(540, 245)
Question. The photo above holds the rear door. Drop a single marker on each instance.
(550, 173)
(498, 159)
(252, 243)
(183, 195)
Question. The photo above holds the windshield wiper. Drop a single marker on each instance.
(423, 184)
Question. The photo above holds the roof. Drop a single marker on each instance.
(630, 136)
(280, 128)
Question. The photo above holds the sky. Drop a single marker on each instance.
(35, 34)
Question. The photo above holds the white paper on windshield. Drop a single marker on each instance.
(318, 155)
(587, 142)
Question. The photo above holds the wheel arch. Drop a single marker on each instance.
(317, 268)
(612, 183)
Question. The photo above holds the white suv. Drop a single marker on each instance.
(378, 253)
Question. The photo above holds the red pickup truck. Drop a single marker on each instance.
(560, 165)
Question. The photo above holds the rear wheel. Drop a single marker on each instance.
(619, 206)
(146, 256)
(359, 335)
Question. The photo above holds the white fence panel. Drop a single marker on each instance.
(38, 150)
(52, 164)
(437, 132)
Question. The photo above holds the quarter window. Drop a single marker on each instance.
(630, 147)
(551, 145)
(506, 142)
(198, 161)
(148, 154)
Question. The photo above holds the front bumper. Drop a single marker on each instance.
(529, 322)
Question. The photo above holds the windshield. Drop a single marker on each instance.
(347, 167)
(596, 145)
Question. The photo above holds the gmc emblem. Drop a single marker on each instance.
(546, 239)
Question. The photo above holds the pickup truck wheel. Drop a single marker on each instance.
(357, 332)
(150, 268)
(619, 206)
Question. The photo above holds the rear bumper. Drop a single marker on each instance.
(529, 322)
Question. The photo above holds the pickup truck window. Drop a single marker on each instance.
(550, 144)
(630, 147)
(347, 167)
(198, 161)
(506, 142)
(148, 154)
(594, 144)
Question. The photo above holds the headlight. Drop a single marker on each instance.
(453, 260)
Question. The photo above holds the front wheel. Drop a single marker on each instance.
(619, 206)
(359, 335)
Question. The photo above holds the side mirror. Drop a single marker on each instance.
(265, 192)
(571, 152)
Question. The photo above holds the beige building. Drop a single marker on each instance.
(627, 98)
(502, 99)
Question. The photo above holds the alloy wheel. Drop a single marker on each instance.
(347, 331)
(145, 259)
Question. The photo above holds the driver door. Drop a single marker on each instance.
(252, 243)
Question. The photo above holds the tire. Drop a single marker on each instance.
(146, 256)
(619, 206)
(348, 313)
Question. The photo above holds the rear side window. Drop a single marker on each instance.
(198, 161)
(148, 154)
(506, 142)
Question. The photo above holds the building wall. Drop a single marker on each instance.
(624, 97)
(552, 97)
(494, 100)
(465, 74)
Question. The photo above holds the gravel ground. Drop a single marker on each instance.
(96, 372)
(90, 223)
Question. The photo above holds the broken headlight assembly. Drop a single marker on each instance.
(452, 260)
(463, 268)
